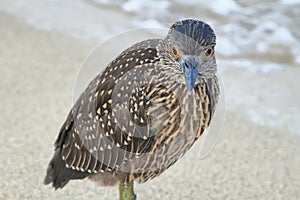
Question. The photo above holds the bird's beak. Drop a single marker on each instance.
(190, 66)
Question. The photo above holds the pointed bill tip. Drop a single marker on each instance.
(190, 67)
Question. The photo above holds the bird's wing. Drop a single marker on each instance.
(110, 123)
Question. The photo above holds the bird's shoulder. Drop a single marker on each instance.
(140, 53)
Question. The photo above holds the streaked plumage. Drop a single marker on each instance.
(139, 116)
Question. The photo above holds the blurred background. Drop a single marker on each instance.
(43, 44)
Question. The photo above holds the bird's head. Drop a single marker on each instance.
(191, 46)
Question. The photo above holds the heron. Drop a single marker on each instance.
(142, 113)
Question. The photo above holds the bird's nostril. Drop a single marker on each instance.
(186, 65)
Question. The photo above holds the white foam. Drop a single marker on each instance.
(273, 112)
(221, 7)
(150, 23)
(147, 9)
(226, 47)
(250, 66)
(103, 1)
(290, 2)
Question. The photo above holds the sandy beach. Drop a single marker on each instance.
(38, 70)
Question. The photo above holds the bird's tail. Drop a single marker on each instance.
(59, 174)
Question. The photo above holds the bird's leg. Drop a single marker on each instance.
(126, 191)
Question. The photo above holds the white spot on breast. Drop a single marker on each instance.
(130, 124)
(78, 116)
(102, 92)
(104, 105)
(77, 146)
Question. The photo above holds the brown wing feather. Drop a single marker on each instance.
(92, 139)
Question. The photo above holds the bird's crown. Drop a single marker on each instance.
(196, 30)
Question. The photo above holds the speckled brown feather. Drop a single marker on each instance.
(134, 120)
(97, 129)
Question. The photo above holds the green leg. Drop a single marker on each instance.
(126, 191)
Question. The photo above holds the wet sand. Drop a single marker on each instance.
(38, 70)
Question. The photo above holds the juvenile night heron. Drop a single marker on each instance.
(142, 113)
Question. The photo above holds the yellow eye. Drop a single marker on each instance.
(174, 52)
(209, 52)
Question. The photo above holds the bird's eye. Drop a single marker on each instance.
(175, 52)
(209, 51)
